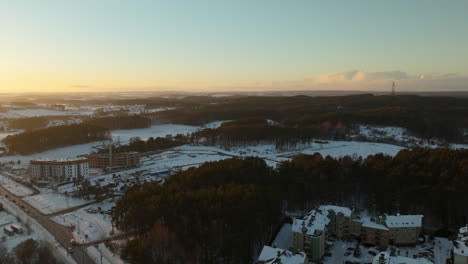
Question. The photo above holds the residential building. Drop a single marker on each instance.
(404, 229)
(385, 258)
(460, 249)
(270, 255)
(58, 171)
(310, 234)
(340, 220)
(114, 161)
(374, 232)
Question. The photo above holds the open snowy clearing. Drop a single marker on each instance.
(52, 202)
(10, 242)
(14, 187)
(90, 223)
(123, 135)
(101, 254)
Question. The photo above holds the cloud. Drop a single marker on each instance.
(376, 81)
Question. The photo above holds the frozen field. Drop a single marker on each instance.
(14, 187)
(52, 202)
(124, 136)
(89, 221)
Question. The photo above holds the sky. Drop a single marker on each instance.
(215, 45)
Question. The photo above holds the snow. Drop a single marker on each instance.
(87, 221)
(122, 135)
(337, 209)
(38, 229)
(51, 202)
(153, 131)
(14, 187)
(440, 247)
(404, 220)
(8, 133)
(10, 242)
(312, 222)
(107, 256)
(270, 255)
(398, 259)
(284, 237)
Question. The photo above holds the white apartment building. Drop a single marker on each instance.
(58, 171)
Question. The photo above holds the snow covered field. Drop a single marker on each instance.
(14, 187)
(8, 133)
(95, 252)
(88, 221)
(10, 242)
(124, 136)
(51, 202)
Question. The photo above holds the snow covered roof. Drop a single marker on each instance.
(403, 221)
(271, 255)
(398, 259)
(312, 222)
(337, 209)
(463, 231)
(461, 248)
(371, 224)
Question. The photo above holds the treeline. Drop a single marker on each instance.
(258, 130)
(54, 137)
(427, 117)
(120, 122)
(222, 212)
(94, 129)
(151, 144)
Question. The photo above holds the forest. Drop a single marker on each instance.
(40, 140)
(93, 129)
(427, 117)
(224, 211)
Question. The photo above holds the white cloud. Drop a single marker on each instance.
(376, 81)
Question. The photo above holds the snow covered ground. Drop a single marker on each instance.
(437, 251)
(284, 238)
(10, 242)
(8, 133)
(14, 187)
(89, 221)
(123, 135)
(38, 230)
(51, 202)
(108, 257)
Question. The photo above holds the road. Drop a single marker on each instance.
(62, 234)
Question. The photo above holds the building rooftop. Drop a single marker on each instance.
(272, 255)
(337, 209)
(313, 222)
(403, 221)
(60, 160)
(366, 222)
(398, 259)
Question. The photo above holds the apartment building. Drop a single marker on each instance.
(340, 220)
(404, 229)
(58, 171)
(310, 234)
(114, 161)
